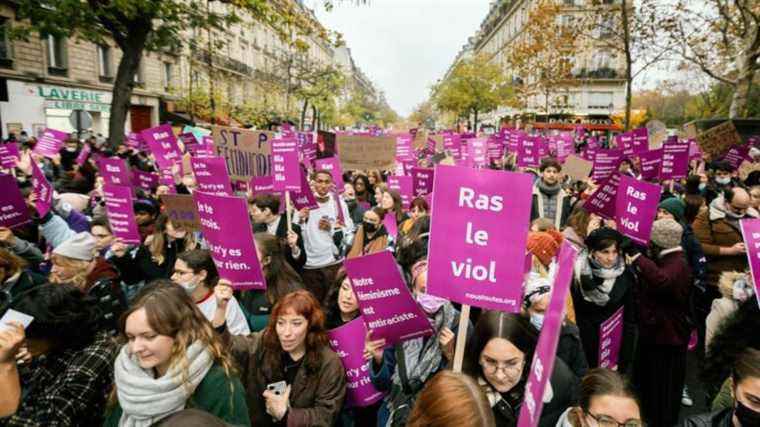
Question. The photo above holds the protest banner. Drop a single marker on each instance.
(636, 207)
(610, 340)
(366, 152)
(13, 210)
(114, 170)
(347, 342)
(163, 144)
(120, 213)
(42, 191)
(751, 234)
(527, 152)
(9, 155)
(403, 147)
(602, 201)
(332, 165)
(286, 169)
(404, 186)
(51, 141)
(605, 163)
(542, 365)
(736, 155)
(182, 211)
(247, 152)
(479, 226)
(718, 139)
(148, 181)
(84, 153)
(305, 197)
(651, 161)
(577, 168)
(640, 140)
(211, 175)
(227, 228)
(675, 159)
(387, 306)
(452, 143)
(422, 181)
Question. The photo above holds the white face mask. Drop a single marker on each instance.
(723, 180)
(537, 320)
(189, 287)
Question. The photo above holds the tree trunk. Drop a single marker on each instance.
(303, 113)
(314, 116)
(123, 85)
(475, 120)
(628, 62)
(746, 66)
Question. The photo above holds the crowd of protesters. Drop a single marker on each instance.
(149, 334)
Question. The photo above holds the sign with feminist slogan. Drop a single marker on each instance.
(636, 207)
(42, 190)
(751, 232)
(527, 151)
(145, 180)
(610, 340)
(348, 343)
(718, 139)
(9, 155)
(640, 140)
(422, 181)
(650, 164)
(84, 153)
(248, 152)
(404, 147)
(211, 175)
(477, 151)
(384, 300)
(542, 365)
(675, 159)
(605, 163)
(50, 143)
(227, 229)
(182, 211)
(452, 143)
(114, 170)
(13, 209)
(479, 226)
(120, 213)
(363, 152)
(402, 184)
(163, 145)
(286, 175)
(602, 201)
(304, 198)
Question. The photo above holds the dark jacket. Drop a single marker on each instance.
(316, 396)
(570, 349)
(104, 284)
(12, 288)
(722, 418)
(664, 299)
(138, 265)
(282, 234)
(694, 255)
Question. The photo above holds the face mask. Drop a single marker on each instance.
(189, 287)
(746, 416)
(537, 320)
(430, 304)
(702, 186)
(71, 149)
(369, 227)
(723, 180)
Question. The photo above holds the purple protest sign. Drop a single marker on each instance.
(430, 145)
(227, 229)
(479, 226)
(650, 164)
(211, 175)
(527, 152)
(145, 180)
(163, 145)
(188, 139)
(264, 185)
(348, 343)
(285, 165)
(477, 150)
(565, 146)
(635, 208)
(9, 155)
(605, 163)
(751, 232)
(120, 213)
(42, 190)
(304, 198)
(422, 181)
(50, 143)
(602, 201)
(114, 170)
(384, 300)
(675, 160)
(13, 209)
(694, 151)
(495, 147)
(166, 178)
(133, 140)
(391, 226)
(332, 165)
(404, 147)
(640, 140)
(453, 143)
(546, 349)
(84, 153)
(610, 340)
(736, 155)
(404, 186)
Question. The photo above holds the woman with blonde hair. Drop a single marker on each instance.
(172, 359)
(445, 391)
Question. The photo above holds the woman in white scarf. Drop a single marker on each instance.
(172, 360)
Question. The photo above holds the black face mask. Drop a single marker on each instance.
(369, 227)
(746, 416)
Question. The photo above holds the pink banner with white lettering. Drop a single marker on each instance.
(42, 190)
(120, 213)
(402, 184)
(211, 175)
(751, 232)
(636, 207)
(114, 170)
(50, 143)
(163, 145)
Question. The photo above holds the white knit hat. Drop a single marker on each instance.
(81, 246)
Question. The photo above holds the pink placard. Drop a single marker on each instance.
(42, 190)
(610, 340)
(120, 213)
(602, 201)
(605, 163)
(114, 170)
(163, 145)
(636, 207)
(13, 210)
(211, 175)
(650, 164)
(9, 155)
(422, 181)
(751, 232)
(83, 154)
(402, 184)
(148, 181)
(50, 142)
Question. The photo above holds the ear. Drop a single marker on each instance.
(203, 274)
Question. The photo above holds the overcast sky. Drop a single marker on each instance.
(404, 46)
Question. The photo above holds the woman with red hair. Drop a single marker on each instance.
(290, 364)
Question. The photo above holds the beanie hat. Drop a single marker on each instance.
(674, 206)
(535, 287)
(81, 246)
(144, 205)
(666, 233)
(595, 238)
(544, 245)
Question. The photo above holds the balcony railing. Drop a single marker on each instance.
(225, 62)
(599, 73)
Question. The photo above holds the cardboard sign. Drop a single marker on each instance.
(384, 300)
(577, 168)
(651, 161)
(404, 147)
(50, 142)
(605, 163)
(182, 211)
(479, 226)
(718, 139)
(751, 233)
(120, 213)
(247, 152)
(636, 207)
(610, 340)
(675, 159)
(542, 366)
(145, 180)
(13, 211)
(286, 174)
(366, 152)
(228, 232)
(527, 154)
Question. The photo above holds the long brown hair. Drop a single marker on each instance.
(157, 244)
(11, 263)
(448, 390)
(280, 277)
(398, 207)
(303, 303)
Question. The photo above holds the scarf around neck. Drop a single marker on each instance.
(144, 399)
(596, 282)
(549, 190)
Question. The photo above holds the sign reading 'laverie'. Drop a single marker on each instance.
(66, 98)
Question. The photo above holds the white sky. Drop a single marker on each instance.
(404, 46)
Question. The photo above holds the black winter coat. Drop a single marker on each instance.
(722, 418)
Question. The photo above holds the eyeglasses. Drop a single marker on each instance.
(607, 421)
(512, 368)
(182, 273)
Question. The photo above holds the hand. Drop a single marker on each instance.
(277, 406)
(31, 200)
(223, 294)
(594, 222)
(373, 349)
(303, 215)
(25, 163)
(23, 355)
(7, 236)
(11, 339)
(610, 223)
(324, 224)
(736, 249)
(446, 341)
(338, 225)
(292, 239)
(119, 248)
(175, 170)
(56, 158)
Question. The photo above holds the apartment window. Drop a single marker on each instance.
(600, 100)
(104, 62)
(5, 46)
(168, 68)
(56, 51)
(138, 79)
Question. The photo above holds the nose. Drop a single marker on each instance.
(137, 345)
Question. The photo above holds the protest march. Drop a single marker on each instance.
(173, 278)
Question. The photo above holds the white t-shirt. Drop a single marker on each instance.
(236, 323)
